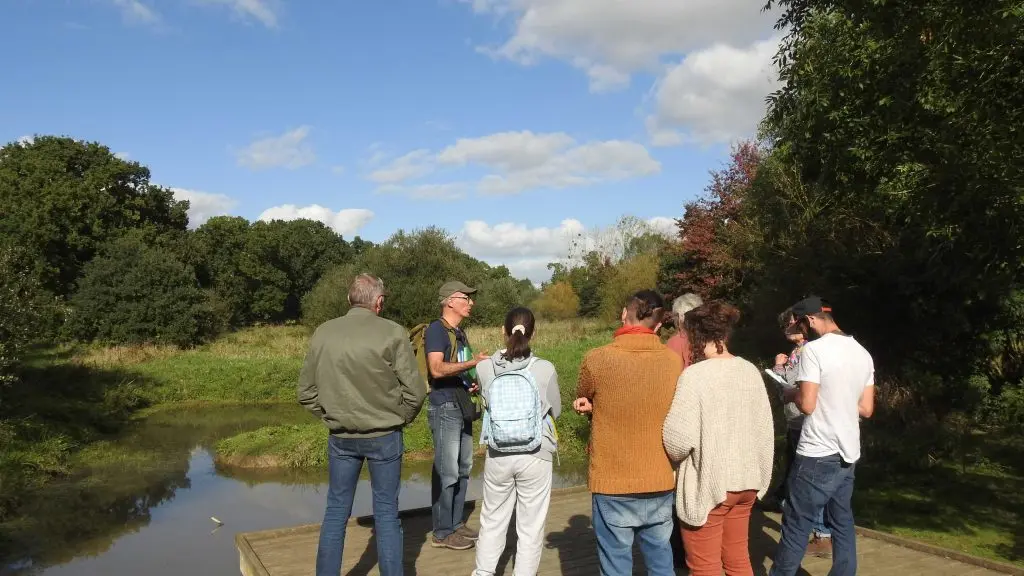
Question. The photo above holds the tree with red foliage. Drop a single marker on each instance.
(704, 259)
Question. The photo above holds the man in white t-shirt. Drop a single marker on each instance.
(835, 388)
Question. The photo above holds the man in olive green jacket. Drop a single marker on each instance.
(360, 379)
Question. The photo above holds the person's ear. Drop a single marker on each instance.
(623, 315)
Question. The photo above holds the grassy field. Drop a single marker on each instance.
(975, 504)
(563, 343)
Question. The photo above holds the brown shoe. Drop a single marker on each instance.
(820, 547)
(467, 533)
(454, 541)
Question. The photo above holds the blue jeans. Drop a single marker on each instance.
(453, 459)
(617, 519)
(792, 440)
(345, 461)
(815, 484)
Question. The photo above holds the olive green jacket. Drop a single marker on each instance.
(360, 376)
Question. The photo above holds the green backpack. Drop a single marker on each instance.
(418, 338)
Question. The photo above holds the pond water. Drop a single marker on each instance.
(165, 528)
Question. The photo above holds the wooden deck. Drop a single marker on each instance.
(570, 549)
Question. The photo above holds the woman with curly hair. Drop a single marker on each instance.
(719, 430)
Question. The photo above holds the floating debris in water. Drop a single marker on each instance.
(214, 518)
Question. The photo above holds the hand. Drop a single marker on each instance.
(582, 405)
(781, 360)
(480, 357)
(474, 388)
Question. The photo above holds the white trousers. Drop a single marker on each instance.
(522, 483)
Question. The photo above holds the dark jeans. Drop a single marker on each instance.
(345, 461)
(453, 459)
(815, 483)
(618, 519)
(792, 441)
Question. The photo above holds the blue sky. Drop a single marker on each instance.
(512, 123)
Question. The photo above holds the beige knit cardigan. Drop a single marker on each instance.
(720, 431)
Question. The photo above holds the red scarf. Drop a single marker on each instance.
(636, 329)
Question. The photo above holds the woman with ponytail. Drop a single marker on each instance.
(517, 477)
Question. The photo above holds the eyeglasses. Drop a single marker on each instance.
(466, 298)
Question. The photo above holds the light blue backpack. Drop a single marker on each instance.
(512, 420)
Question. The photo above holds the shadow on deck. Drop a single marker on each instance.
(570, 548)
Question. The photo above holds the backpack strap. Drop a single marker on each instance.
(453, 342)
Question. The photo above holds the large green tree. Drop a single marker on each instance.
(895, 184)
(63, 198)
(261, 271)
(24, 307)
(219, 245)
(133, 293)
(284, 260)
(413, 266)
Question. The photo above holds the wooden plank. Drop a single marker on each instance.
(570, 547)
(249, 562)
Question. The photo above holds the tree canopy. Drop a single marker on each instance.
(65, 198)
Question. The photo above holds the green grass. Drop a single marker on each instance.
(305, 445)
(106, 426)
(977, 509)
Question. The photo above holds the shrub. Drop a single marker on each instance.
(24, 308)
(1007, 409)
(496, 297)
(558, 301)
(413, 266)
(329, 298)
(135, 294)
(625, 278)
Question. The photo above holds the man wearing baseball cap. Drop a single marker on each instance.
(835, 388)
(450, 413)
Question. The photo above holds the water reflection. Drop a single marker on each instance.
(154, 517)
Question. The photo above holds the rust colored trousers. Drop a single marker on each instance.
(722, 540)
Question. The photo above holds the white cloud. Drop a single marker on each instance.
(714, 95)
(525, 251)
(338, 169)
(123, 156)
(137, 12)
(524, 160)
(345, 222)
(611, 39)
(664, 225)
(27, 140)
(510, 151)
(263, 11)
(289, 150)
(413, 165)
(587, 164)
(203, 205)
(450, 191)
(506, 239)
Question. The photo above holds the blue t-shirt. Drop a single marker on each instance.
(437, 340)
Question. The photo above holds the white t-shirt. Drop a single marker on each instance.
(842, 368)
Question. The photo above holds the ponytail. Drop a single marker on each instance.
(519, 324)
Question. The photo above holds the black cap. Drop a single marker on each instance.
(810, 306)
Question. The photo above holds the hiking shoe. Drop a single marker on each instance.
(820, 547)
(454, 541)
(467, 533)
